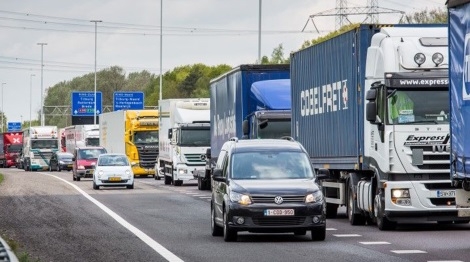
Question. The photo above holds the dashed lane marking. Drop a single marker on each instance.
(375, 243)
(347, 235)
(411, 251)
(331, 229)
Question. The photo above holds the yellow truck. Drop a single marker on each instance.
(134, 133)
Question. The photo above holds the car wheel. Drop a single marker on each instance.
(58, 168)
(50, 168)
(318, 234)
(178, 182)
(74, 178)
(95, 186)
(130, 186)
(230, 235)
(78, 178)
(215, 229)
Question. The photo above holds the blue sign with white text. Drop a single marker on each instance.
(128, 101)
(83, 103)
(14, 126)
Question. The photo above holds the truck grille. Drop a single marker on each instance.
(148, 156)
(195, 159)
(279, 221)
(270, 199)
(433, 160)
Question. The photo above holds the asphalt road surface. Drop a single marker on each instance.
(53, 218)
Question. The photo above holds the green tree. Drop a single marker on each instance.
(433, 16)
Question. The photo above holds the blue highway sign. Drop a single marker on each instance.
(14, 126)
(83, 103)
(128, 100)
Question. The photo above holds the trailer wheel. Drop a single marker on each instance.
(167, 180)
(354, 217)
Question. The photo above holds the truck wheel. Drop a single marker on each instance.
(167, 180)
(382, 222)
(331, 210)
(178, 182)
(354, 218)
(199, 183)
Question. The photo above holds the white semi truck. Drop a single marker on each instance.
(39, 143)
(81, 136)
(371, 107)
(184, 139)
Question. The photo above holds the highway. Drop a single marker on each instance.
(53, 218)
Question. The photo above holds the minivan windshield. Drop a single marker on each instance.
(270, 165)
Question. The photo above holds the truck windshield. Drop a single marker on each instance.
(195, 137)
(275, 129)
(45, 144)
(145, 137)
(95, 141)
(14, 148)
(418, 106)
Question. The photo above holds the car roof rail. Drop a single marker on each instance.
(288, 138)
(234, 139)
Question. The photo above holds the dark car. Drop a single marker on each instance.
(266, 186)
(84, 161)
(61, 161)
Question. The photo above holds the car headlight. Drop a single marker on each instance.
(81, 167)
(314, 197)
(240, 198)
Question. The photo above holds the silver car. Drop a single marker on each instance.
(113, 169)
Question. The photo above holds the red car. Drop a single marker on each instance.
(84, 161)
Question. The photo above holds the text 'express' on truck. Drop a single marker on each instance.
(184, 138)
(459, 76)
(39, 142)
(11, 144)
(249, 102)
(371, 108)
(134, 133)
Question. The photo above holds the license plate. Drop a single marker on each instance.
(279, 212)
(445, 193)
(70, 165)
(114, 179)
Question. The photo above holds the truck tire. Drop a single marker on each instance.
(200, 183)
(167, 180)
(354, 217)
(382, 221)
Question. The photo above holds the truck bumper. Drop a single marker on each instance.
(427, 201)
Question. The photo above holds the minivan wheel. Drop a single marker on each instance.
(319, 234)
(230, 235)
(215, 229)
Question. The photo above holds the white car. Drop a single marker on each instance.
(113, 169)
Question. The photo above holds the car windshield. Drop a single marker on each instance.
(270, 165)
(65, 156)
(113, 160)
(90, 153)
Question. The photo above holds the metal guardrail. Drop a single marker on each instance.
(6, 254)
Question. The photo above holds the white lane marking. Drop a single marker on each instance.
(347, 235)
(375, 243)
(205, 197)
(331, 229)
(408, 251)
(445, 261)
(144, 237)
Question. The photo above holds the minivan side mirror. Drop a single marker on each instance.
(217, 175)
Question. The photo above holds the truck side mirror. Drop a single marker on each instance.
(208, 153)
(245, 128)
(371, 112)
(170, 133)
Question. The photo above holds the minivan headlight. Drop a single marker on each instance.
(314, 197)
(240, 198)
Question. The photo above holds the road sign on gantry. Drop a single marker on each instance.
(128, 100)
(83, 103)
(14, 126)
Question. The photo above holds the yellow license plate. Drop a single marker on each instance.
(114, 179)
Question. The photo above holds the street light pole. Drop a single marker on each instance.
(96, 35)
(161, 65)
(3, 112)
(259, 34)
(42, 90)
(30, 96)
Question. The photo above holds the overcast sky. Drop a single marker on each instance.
(211, 32)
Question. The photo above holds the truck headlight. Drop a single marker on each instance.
(315, 197)
(420, 58)
(182, 171)
(240, 198)
(401, 197)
